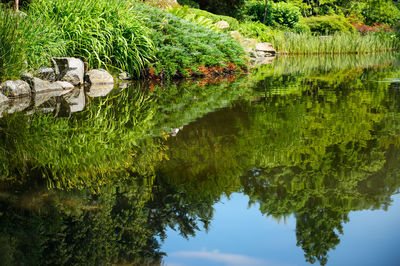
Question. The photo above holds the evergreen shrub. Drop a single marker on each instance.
(325, 25)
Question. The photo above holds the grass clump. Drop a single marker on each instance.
(105, 33)
(26, 42)
(339, 43)
(182, 46)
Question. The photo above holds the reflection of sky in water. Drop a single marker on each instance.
(242, 236)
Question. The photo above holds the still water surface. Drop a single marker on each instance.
(296, 163)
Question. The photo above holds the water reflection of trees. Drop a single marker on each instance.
(313, 146)
(318, 154)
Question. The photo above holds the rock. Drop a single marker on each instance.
(63, 108)
(124, 85)
(265, 47)
(65, 85)
(99, 76)
(40, 86)
(236, 35)
(69, 69)
(42, 97)
(21, 14)
(3, 98)
(262, 60)
(222, 25)
(27, 77)
(99, 90)
(76, 100)
(46, 73)
(125, 76)
(248, 44)
(3, 104)
(3, 108)
(15, 88)
(48, 106)
(19, 104)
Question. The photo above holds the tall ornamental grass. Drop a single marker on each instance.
(339, 43)
(105, 33)
(26, 42)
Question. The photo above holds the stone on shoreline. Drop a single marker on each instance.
(222, 25)
(124, 76)
(236, 35)
(19, 104)
(76, 100)
(27, 77)
(265, 47)
(69, 69)
(99, 90)
(46, 73)
(99, 76)
(3, 107)
(42, 97)
(40, 86)
(3, 98)
(65, 85)
(15, 88)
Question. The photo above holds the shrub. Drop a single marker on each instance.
(227, 7)
(284, 14)
(396, 29)
(186, 14)
(256, 30)
(182, 46)
(31, 40)
(190, 3)
(105, 33)
(328, 24)
(233, 23)
(301, 28)
(162, 4)
(365, 29)
(12, 45)
(381, 12)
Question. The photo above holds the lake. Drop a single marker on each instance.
(297, 162)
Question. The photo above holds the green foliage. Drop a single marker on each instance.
(309, 137)
(325, 25)
(256, 30)
(339, 43)
(107, 135)
(182, 45)
(29, 39)
(103, 33)
(281, 13)
(185, 12)
(190, 3)
(381, 11)
(310, 146)
(301, 28)
(227, 7)
(110, 226)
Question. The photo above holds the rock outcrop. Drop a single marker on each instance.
(15, 88)
(125, 76)
(39, 86)
(99, 77)
(46, 73)
(222, 25)
(69, 69)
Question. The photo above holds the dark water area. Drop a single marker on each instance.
(295, 163)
